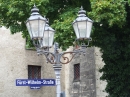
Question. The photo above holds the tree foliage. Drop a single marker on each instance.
(109, 11)
(14, 14)
(63, 27)
(110, 31)
(111, 34)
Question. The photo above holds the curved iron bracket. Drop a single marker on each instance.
(61, 58)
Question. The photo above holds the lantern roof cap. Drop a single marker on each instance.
(82, 16)
(82, 12)
(35, 15)
(35, 9)
(47, 27)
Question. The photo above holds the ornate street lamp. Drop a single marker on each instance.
(45, 35)
(48, 37)
(36, 24)
(82, 25)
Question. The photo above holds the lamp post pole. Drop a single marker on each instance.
(43, 35)
(57, 68)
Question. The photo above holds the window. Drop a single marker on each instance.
(76, 72)
(34, 72)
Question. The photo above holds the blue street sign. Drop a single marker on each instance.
(35, 82)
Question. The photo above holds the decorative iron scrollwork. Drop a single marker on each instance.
(67, 57)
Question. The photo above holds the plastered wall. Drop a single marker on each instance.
(14, 60)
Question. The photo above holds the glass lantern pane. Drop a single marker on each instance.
(82, 29)
(37, 28)
(48, 39)
(89, 27)
(45, 39)
(41, 28)
(34, 28)
(29, 29)
(76, 29)
(51, 38)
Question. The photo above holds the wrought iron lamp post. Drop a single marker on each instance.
(42, 35)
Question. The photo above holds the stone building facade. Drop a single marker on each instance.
(89, 84)
(85, 86)
(14, 61)
(100, 85)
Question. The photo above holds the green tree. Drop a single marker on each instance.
(111, 34)
(14, 14)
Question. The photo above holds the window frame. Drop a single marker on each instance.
(35, 72)
(76, 72)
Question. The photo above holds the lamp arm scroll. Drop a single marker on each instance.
(66, 59)
(49, 56)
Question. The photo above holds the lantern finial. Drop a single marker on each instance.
(82, 12)
(47, 21)
(35, 10)
(81, 8)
